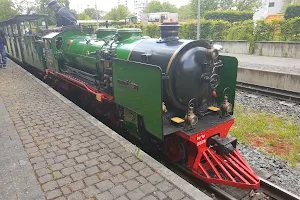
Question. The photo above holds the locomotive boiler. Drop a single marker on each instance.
(174, 94)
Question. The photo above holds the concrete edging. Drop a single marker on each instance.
(284, 81)
(179, 182)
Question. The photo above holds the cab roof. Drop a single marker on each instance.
(20, 18)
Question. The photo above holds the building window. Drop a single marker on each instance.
(271, 4)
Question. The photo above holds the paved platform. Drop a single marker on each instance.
(273, 64)
(52, 149)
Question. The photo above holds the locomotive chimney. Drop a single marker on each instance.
(169, 31)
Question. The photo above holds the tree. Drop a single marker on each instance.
(206, 5)
(91, 12)
(156, 6)
(83, 16)
(250, 5)
(185, 12)
(7, 10)
(290, 2)
(167, 7)
(118, 13)
(67, 3)
(153, 6)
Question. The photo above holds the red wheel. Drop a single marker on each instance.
(173, 148)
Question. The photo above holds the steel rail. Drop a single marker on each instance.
(273, 92)
(275, 191)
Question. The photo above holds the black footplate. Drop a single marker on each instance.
(222, 146)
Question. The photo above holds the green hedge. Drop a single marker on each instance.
(277, 30)
(290, 30)
(292, 11)
(229, 15)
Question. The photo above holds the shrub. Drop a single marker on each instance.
(241, 31)
(290, 30)
(292, 11)
(228, 15)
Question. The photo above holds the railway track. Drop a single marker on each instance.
(267, 190)
(276, 192)
(273, 92)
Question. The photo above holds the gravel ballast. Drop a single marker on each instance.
(276, 170)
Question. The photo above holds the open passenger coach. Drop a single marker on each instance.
(172, 94)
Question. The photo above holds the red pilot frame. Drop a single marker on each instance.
(211, 166)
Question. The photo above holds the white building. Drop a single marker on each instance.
(269, 7)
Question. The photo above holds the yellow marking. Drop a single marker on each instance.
(212, 108)
(177, 120)
(98, 97)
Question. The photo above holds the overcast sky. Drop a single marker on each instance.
(107, 5)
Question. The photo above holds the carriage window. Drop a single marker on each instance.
(34, 26)
(22, 28)
(27, 28)
(15, 29)
(9, 30)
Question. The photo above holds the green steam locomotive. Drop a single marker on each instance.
(174, 94)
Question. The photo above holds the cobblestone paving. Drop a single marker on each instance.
(71, 158)
(17, 179)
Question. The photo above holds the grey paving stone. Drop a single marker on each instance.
(147, 188)
(91, 191)
(126, 166)
(118, 191)
(135, 194)
(64, 181)
(72, 154)
(151, 197)
(141, 179)
(67, 171)
(105, 166)
(131, 160)
(49, 186)
(118, 179)
(79, 167)
(104, 196)
(69, 163)
(131, 184)
(175, 194)
(45, 178)
(116, 161)
(146, 172)
(104, 175)
(81, 158)
(76, 196)
(78, 176)
(122, 198)
(160, 195)
(92, 170)
(78, 185)
(164, 186)
(91, 180)
(53, 194)
(139, 166)
(155, 178)
(90, 163)
(105, 185)
(116, 170)
(60, 158)
(130, 174)
(57, 166)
